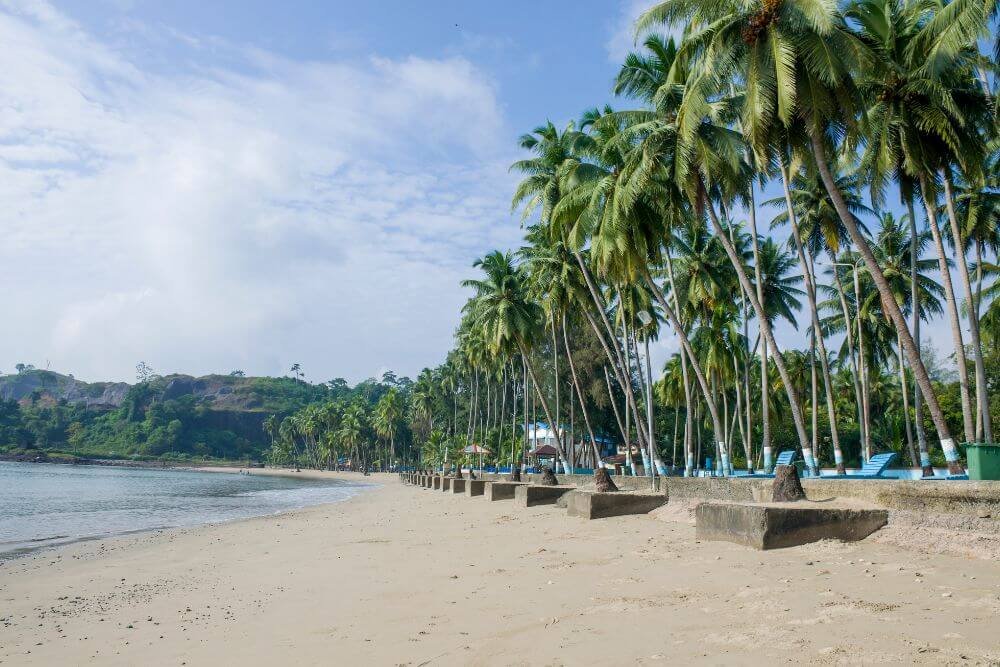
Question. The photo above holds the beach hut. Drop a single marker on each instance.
(477, 449)
(544, 453)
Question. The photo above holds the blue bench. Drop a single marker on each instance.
(873, 467)
(785, 458)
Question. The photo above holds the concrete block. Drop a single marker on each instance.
(475, 487)
(501, 490)
(446, 483)
(594, 505)
(529, 495)
(436, 482)
(458, 485)
(778, 525)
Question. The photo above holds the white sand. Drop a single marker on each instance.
(402, 575)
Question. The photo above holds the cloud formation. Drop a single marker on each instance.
(206, 218)
(622, 38)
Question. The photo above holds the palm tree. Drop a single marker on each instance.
(556, 281)
(388, 414)
(918, 117)
(557, 168)
(808, 82)
(503, 312)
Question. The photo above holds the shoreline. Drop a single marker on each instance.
(401, 575)
(35, 546)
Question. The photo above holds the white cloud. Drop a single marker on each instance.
(249, 216)
(622, 37)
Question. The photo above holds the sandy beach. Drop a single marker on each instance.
(403, 576)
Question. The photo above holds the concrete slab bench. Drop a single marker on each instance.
(436, 482)
(458, 485)
(596, 505)
(475, 487)
(501, 490)
(779, 525)
(446, 483)
(530, 495)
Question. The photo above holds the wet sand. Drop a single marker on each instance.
(401, 575)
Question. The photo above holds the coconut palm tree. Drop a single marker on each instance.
(388, 415)
(502, 310)
(796, 60)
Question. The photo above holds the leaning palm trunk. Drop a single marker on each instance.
(689, 351)
(557, 427)
(623, 382)
(602, 480)
(918, 420)
(888, 302)
(614, 408)
(541, 395)
(952, 307)
(687, 355)
(622, 373)
(765, 328)
(982, 397)
(807, 272)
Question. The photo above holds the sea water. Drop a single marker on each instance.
(49, 504)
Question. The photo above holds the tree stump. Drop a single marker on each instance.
(548, 478)
(786, 487)
(472, 474)
(458, 472)
(515, 475)
(603, 482)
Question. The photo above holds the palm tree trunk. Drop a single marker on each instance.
(765, 327)
(918, 419)
(622, 371)
(673, 453)
(982, 397)
(906, 405)
(748, 398)
(579, 395)
(556, 427)
(647, 461)
(524, 443)
(628, 428)
(951, 304)
(654, 454)
(687, 348)
(688, 420)
(888, 302)
(764, 387)
(614, 408)
(810, 278)
(744, 435)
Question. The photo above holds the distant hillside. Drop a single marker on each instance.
(47, 385)
(221, 392)
(171, 416)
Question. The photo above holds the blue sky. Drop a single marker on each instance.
(208, 186)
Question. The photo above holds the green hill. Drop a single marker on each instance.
(169, 417)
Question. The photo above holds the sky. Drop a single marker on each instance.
(212, 186)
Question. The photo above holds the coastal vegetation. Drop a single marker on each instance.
(826, 169)
(873, 125)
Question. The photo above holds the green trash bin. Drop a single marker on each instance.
(984, 461)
